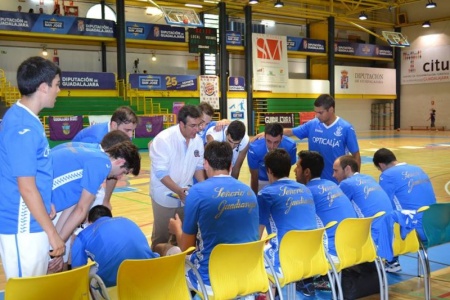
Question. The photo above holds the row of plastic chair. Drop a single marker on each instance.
(239, 269)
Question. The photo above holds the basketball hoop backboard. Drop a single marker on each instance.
(395, 39)
(181, 16)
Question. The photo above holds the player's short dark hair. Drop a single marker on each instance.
(348, 160)
(384, 156)
(218, 155)
(313, 161)
(129, 152)
(97, 212)
(325, 101)
(191, 111)
(273, 129)
(33, 72)
(124, 115)
(113, 137)
(206, 108)
(279, 162)
(236, 130)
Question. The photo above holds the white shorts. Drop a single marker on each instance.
(24, 254)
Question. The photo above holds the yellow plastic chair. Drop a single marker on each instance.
(237, 270)
(156, 278)
(302, 255)
(354, 245)
(70, 285)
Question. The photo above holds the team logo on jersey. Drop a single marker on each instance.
(24, 131)
(197, 153)
(338, 131)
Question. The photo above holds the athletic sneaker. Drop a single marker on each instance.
(393, 266)
(306, 289)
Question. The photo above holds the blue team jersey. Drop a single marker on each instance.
(24, 152)
(74, 145)
(219, 210)
(408, 187)
(76, 169)
(202, 133)
(92, 134)
(258, 149)
(108, 242)
(331, 205)
(367, 198)
(285, 205)
(330, 141)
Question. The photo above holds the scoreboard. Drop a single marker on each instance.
(203, 40)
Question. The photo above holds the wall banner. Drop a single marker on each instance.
(155, 32)
(360, 80)
(161, 82)
(88, 80)
(270, 62)
(287, 120)
(149, 126)
(209, 90)
(425, 65)
(64, 128)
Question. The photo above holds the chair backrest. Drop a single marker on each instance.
(238, 269)
(155, 278)
(73, 284)
(302, 255)
(410, 243)
(353, 240)
(436, 224)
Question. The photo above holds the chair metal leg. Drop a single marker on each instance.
(425, 264)
(277, 282)
(382, 277)
(199, 279)
(332, 285)
(336, 275)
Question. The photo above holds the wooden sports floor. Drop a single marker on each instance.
(428, 149)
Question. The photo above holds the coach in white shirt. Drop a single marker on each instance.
(176, 156)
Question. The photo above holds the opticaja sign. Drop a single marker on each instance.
(430, 65)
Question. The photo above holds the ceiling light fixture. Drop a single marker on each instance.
(268, 23)
(44, 50)
(253, 2)
(193, 5)
(362, 16)
(426, 24)
(430, 4)
(153, 57)
(278, 4)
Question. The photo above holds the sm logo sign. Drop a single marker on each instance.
(269, 49)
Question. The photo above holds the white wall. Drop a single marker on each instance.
(416, 98)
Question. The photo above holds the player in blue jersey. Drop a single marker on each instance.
(328, 134)
(108, 242)
(207, 123)
(218, 210)
(330, 201)
(235, 135)
(273, 139)
(77, 177)
(407, 186)
(123, 119)
(284, 204)
(366, 195)
(26, 229)
(110, 139)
